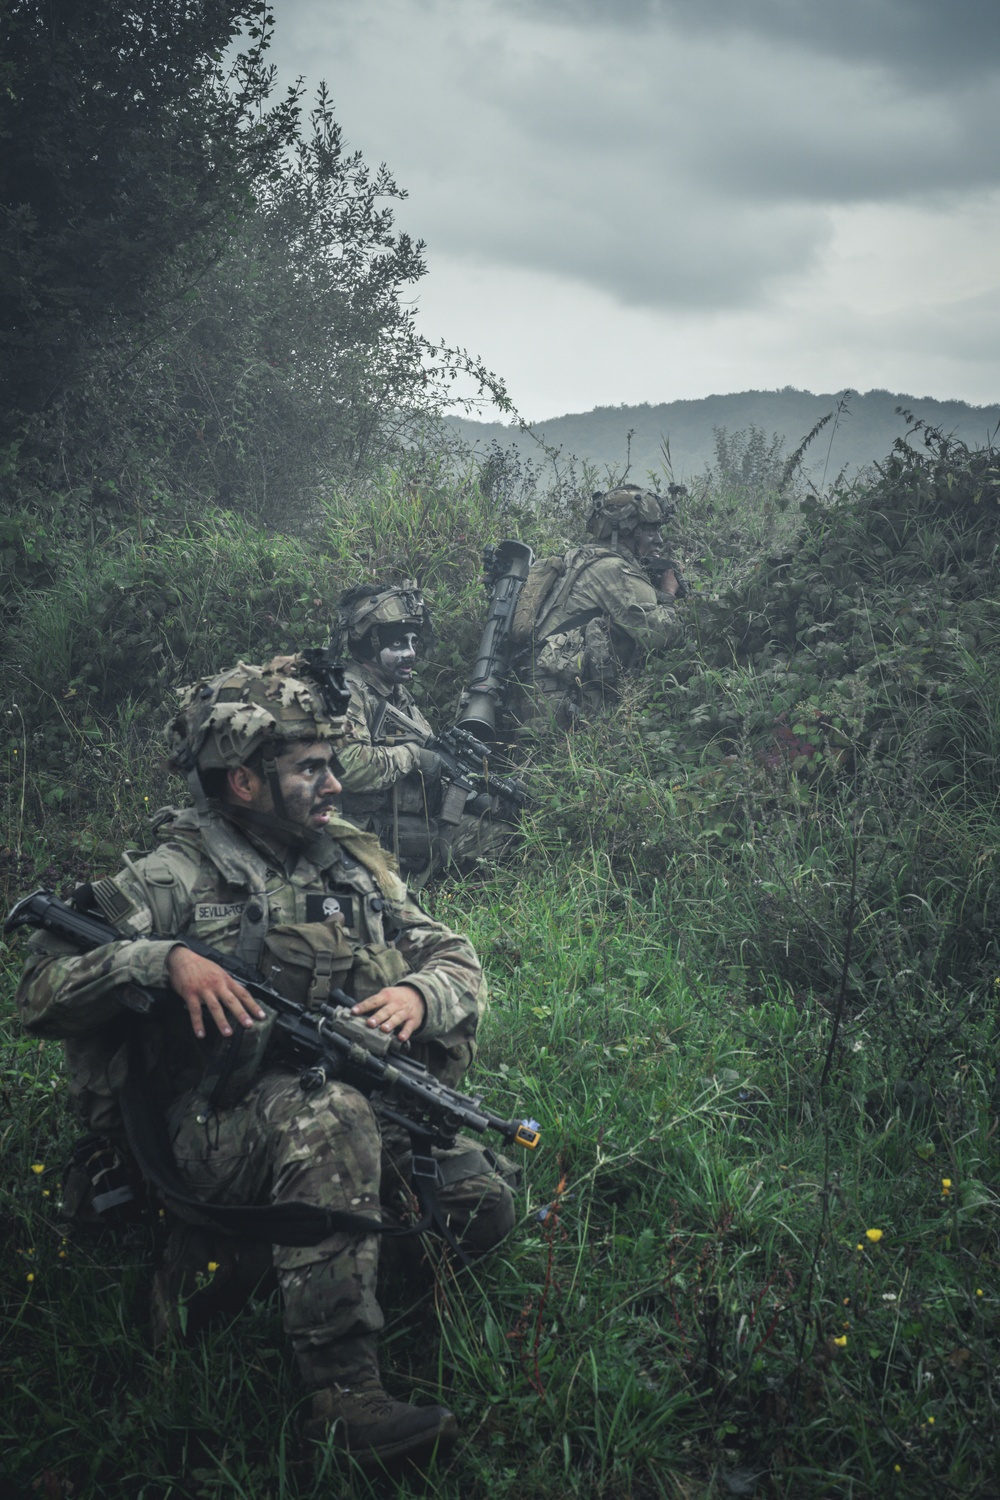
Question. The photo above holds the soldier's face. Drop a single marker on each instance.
(647, 540)
(308, 785)
(397, 656)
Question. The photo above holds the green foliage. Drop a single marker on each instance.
(201, 292)
(749, 463)
(128, 146)
(663, 1320)
(742, 969)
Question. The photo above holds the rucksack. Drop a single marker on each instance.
(543, 575)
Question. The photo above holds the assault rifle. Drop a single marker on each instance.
(467, 761)
(466, 765)
(328, 1041)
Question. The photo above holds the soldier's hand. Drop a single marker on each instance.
(669, 583)
(429, 763)
(398, 1008)
(203, 985)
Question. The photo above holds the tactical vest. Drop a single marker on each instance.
(408, 797)
(172, 881)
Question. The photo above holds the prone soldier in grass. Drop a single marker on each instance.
(263, 868)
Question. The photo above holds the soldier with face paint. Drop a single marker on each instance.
(261, 867)
(393, 784)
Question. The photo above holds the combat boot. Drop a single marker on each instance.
(361, 1417)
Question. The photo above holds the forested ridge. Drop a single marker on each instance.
(611, 436)
(743, 966)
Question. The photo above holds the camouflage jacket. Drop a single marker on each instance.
(601, 581)
(225, 886)
(377, 755)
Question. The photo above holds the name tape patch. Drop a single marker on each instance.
(216, 911)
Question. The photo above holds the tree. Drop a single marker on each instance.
(127, 154)
(201, 295)
(289, 356)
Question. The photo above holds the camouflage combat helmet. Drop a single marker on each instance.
(621, 511)
(224, 720)
(366, 612)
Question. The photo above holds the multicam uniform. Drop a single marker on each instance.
(386, 792)
(216, 876)
(601, 615)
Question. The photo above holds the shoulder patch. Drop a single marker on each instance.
(112, 900)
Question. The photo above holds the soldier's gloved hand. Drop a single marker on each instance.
(429, 764)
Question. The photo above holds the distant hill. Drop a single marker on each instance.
(863, 435)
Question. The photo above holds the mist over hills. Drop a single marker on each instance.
(863, 435)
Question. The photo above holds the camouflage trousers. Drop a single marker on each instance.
(280, 1144)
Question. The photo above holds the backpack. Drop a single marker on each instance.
(543, 575)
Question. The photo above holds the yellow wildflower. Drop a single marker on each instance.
(841, 1343)
(945, 1186)
(979, 1291)
(874, 1235)
(38, 1167)
(213, 1266)
(30, 1276)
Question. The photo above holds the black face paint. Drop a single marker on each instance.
(301, 786)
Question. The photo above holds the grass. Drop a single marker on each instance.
(692, 1244)
(757, 1251)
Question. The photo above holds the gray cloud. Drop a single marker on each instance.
(932, 39)
(684, 154)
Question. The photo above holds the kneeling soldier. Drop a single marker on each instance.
(262, 868)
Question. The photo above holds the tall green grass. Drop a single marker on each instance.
(742, 971)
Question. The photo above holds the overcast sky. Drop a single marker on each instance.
(643, 200)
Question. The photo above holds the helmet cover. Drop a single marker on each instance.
(400, 605)
(223, 720)
(623, 510)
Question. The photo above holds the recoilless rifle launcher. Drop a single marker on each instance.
(505, 568)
